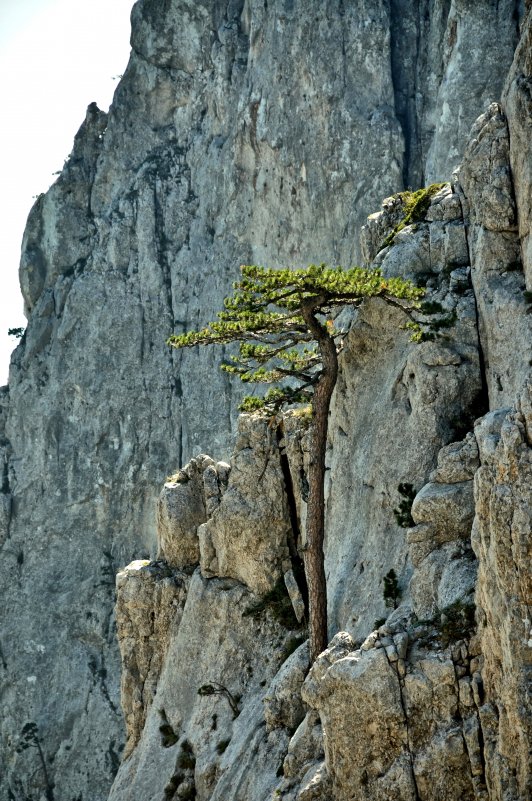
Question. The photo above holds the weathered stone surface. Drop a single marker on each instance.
(502, 540)
(440, 759)
(428, 756)
(496, 268)
(415, 398)
(446, 575)
(486, 173)
(295, 595)
(518, 108)
(395, 728)
(374, 753)
(247, 536)
(305, 747)
(241, 131)
(282, 702)
(212, 643)
(295, 443)
(439, 545)
(315, 785)
(457, 462)
(150, 600)
(449, 508)
(182, 507)
(430, 47)
(59, 234)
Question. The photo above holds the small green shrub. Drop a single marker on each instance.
(251, 404)
(171, 787)
(415, 207)
(431, 307)
(18, 333)
(457, 621)
(428, 331)
(168, 735)
(450, 624)
(219, 689)
(403, 513)
(391, 592)
(186, 759)
(278, 603)
(272, 401)
(379, 622)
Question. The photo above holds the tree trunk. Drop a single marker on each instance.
(315, 527)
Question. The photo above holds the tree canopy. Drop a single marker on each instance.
(270, 313)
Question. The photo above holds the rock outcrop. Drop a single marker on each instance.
(197, 664)
(421, 707)
(266, 132)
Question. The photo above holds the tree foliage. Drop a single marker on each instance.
(266, 315)
(18, 333)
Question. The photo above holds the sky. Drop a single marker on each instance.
(56, 57)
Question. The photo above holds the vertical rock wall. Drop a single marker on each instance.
(241, 131)
(502, 539)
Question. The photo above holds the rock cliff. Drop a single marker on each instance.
(267, 132)
(427, 700)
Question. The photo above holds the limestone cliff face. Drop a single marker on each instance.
(433, 700)
(418, 707)
(240, 132)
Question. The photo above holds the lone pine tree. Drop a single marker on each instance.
(282, 320)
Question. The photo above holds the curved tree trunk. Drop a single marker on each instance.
(315, 528)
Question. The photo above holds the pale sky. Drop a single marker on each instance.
(56, 57)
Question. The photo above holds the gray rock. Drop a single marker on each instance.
(516, 103)
(211, 642)
(305, 747)
(502, 542)
(295, 595)
(445, 206)
(449, 508)
(496, 263)
(488, 434)
(247, 536)
(183, 505)
(239, 132)
(315, 785)
(457, 462)
(446, 575)
(150, 601)
(414, 396)
(282, 703)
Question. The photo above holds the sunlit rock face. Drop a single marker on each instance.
(240, 132)
(502, 540)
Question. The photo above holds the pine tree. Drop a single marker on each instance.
(282, 318)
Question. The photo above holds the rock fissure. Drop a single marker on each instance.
(99, 674)
(481, 357)
(294, 537)
(478, 780)
(394, 666)
(404, 81)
